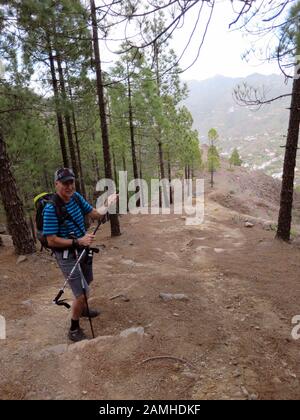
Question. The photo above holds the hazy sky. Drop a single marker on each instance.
(221, 52)
(222, 49)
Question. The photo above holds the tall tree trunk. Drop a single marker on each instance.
(114, 161)
(97, 166)
(115, 168)
(68, 122)
(16, 221)
(170, 178)
(287, 187)
(140, 166)
(124, 163)
(212, 178)
(161, 160)
(162, 174)
(125, 170)
(141, 173)
(115, 175)
(131, 127)
(80, 171)
(159, 190)
(81, 179)
(160, 148)
(32, 228)
(114, 220)
(60, 124)
(94, 166)
(48, 184)
(132, 137)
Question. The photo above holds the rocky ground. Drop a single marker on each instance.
(187, 312)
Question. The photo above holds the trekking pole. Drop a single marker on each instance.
(62, 302)
(85, 297)
(90, 251)
(61, 291)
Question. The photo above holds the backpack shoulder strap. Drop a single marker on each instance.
(62, 212)
(60, 208)
(79, 203)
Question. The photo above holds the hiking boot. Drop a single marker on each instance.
(77, 335)
(93, 313)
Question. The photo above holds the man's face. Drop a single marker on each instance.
(65, 189)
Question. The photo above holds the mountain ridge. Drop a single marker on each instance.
(258, 134)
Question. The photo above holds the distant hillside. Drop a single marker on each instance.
(257, 133)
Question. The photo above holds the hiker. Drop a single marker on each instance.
(58, 238)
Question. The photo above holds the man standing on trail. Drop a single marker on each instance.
(58, 238)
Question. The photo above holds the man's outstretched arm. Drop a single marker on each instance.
(100, 212)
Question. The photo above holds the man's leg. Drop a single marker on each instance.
(75, 282)
(77, 307)
(76, 333)
(87, 271)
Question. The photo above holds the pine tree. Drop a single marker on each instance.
(290, 35)
(114, 220)
(235, 159)
(16, 221)
(213, 159)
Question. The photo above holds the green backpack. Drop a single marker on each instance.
(62, 214)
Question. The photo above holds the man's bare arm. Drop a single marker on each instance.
(100, 213)
(95, 214)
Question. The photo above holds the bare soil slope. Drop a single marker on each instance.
(229, 337)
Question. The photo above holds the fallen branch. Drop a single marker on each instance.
(120, 295)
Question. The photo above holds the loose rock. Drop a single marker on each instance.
(21, 259)
(169, 296)
(132, 330)
(249, 224)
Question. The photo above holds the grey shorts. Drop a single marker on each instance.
(83, 274)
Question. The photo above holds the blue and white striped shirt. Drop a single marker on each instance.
(50, 221)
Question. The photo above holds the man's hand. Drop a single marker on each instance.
(112, 199)
(86, 240)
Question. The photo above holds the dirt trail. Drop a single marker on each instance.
(229, 338)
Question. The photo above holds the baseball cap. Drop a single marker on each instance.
(64, 175)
